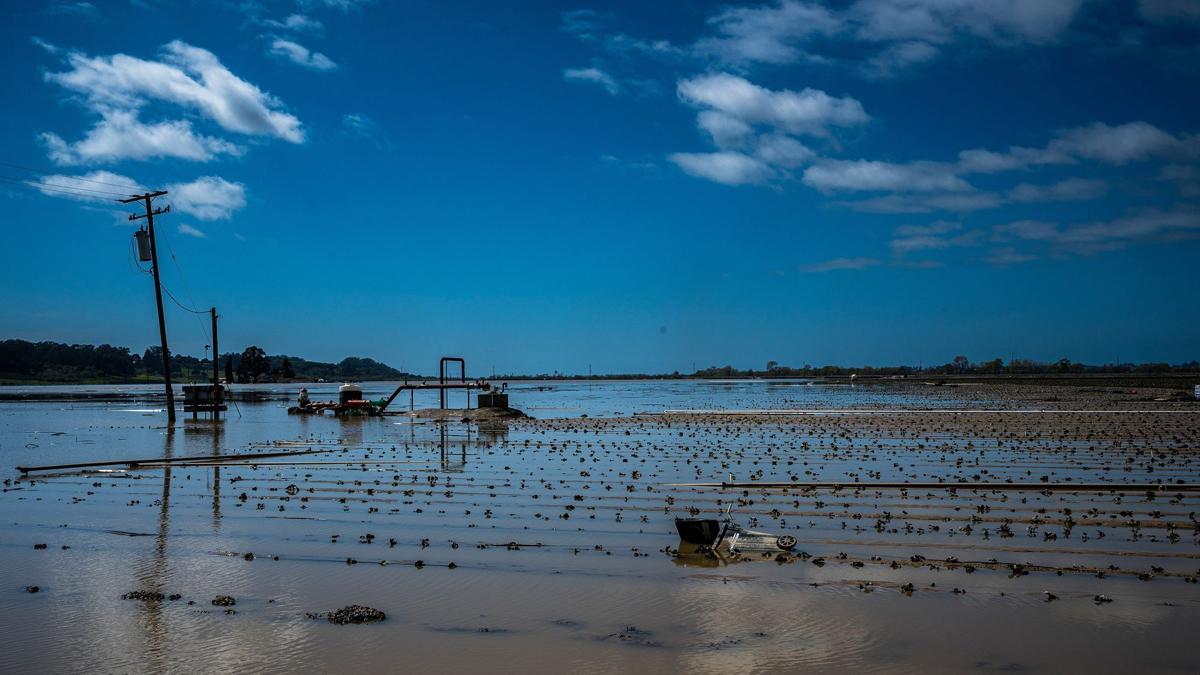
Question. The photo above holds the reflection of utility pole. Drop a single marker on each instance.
(162, 323)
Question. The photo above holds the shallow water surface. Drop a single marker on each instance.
(549, 544)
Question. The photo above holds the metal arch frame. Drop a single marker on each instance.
(462, 376)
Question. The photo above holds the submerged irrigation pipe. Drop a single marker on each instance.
(1011, 487)
(222, 459)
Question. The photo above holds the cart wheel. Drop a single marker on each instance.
(786, 542)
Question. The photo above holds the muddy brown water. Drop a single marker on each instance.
(592, 583)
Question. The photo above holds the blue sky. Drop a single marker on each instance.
(626, 186)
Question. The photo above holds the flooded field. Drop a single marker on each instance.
(549, 544)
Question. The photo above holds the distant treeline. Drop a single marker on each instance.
(23, 361)
(959, 365)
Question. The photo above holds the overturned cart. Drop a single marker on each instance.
(711, 534)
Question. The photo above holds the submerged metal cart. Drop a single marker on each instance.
(712, 533)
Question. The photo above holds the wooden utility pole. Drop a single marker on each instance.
(216, 352)
(216, 365)
(162, 323)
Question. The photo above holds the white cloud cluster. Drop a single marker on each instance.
(809, 111)
(118, 87)
(207, 198)
(753, 127)
(300, 55)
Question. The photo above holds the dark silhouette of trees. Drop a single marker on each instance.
(253, 364)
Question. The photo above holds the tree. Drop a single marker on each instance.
(229, 369)
(254, 364)
(961, 363)
(285, 369)
(772, 365)
(152, 360)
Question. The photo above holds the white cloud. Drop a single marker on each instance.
(1122, 144)
(593, 75)
(1070, 189)
(841, 264)
(47, 46)
(727, 131)
(768, 34)
(730, 168)
(120, 135)
(300, 55)
(809, 111)
(208, 197)
(1130, 142)
(190, 231)
(187, 76)
(783, 151)
(866, 175)
(1016, 158)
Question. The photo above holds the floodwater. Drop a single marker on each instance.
(548, 545)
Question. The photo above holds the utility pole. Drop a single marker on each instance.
(216, 367)
(162, 323)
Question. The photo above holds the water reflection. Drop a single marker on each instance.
(448, 462)
(151, 573)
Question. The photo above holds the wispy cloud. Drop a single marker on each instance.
(298, 23)
(841, 264)
(363, 128)
(592, 75)
(300, 55)
(190, 231)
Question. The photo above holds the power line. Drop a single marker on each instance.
(181, 305)
(86, 180)
(55, 187)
